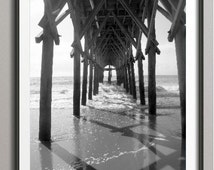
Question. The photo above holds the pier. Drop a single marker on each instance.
(111, 29)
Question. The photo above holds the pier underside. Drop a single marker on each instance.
(101, 131)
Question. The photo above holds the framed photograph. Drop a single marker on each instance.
(111, 85)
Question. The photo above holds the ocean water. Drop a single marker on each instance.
(62, 89)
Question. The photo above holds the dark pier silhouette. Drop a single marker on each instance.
(110, 29)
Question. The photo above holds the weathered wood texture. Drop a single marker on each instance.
(85, 74)
(141, 79)
(133, 80)
(180, 44)
(109, 27)
(95, 80)
(46, 86)
(129, 78)
(76, 68)
(76, 90)
(90, 81)
(109, 75)
(126, 79)
(151, 66)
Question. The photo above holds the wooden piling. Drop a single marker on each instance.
(129, 78)
(151, 65)
(133, 80)
(102, 77)
(180, 44)
(141, 80)
(118, 77)
(76, 90)
(75, 16)
(109, 75)
(126, 79)
(95, 79)
(123, 77)
(97, 82)
(46, 86)
(90, 80)
(85, 75)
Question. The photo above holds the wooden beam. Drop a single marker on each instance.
(51, 21)
(151, 26)
(59, 19)
(102, 39)
(171, 6)
(164, 13)
(100, 49)
(120, 49)
(56, 9)
(123, 29)
(98, 31)
(141, 3)
(91, 18)
(104, 51)
(137, 20)
(121, 41)
(140, 31)
(39, 37)
(92, 7)
(176, 21)
(87, 56)
(107, 69)
(103, 45)
(117, 52)
(75, 19)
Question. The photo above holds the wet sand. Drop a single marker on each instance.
(113, 133)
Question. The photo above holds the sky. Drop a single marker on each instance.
(63, 64)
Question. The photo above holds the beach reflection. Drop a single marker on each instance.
(153, 154)
(138, 145)
(183, 155)
(65, 159)
(113, 135)
(45, 155)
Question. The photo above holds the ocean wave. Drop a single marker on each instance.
(171, 89)
(62, 91)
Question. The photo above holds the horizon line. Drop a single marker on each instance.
(112, 75)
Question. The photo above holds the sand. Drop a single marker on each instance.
(113, 133)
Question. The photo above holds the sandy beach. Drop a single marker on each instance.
(113, 133)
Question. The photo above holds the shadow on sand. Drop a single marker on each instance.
(172, 160)
(47, 149)
(175, 160)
